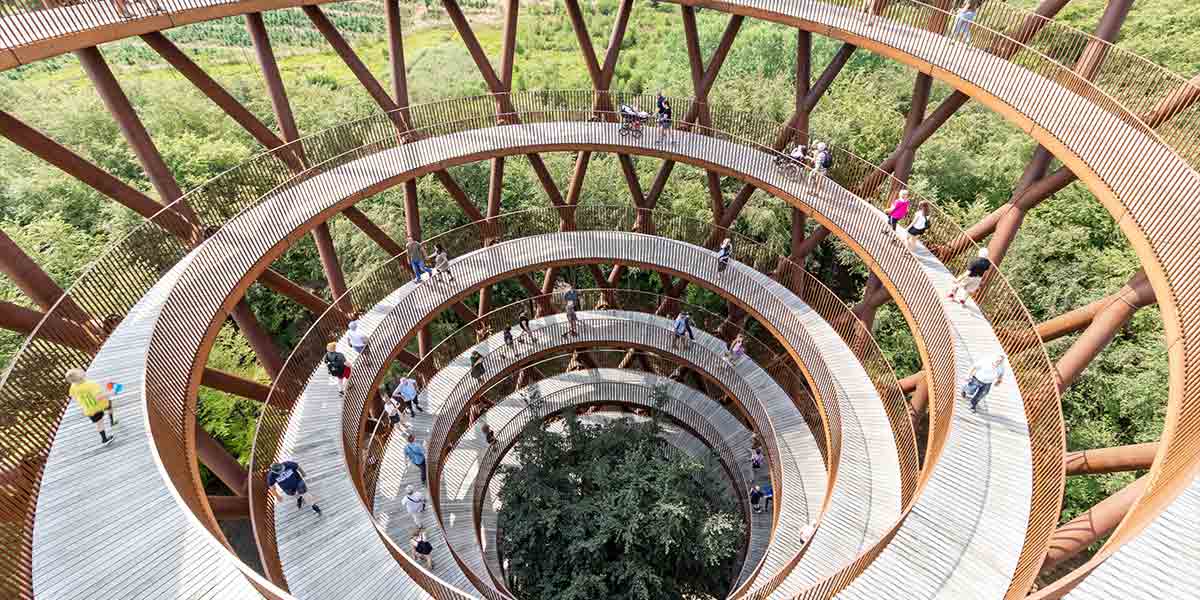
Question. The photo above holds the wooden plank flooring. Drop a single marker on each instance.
(113, 502)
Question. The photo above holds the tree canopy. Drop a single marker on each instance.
(613, 511)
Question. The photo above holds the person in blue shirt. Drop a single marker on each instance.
(768, 495)
(682, 326)
(286, 478)
(416, 454)
(408, 395)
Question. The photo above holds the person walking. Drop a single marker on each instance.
(735, 350)
(756, 499)
(526, 336)
(571, 295)
(422, 549)
(357, 340)
(756, 459)
(477, 368)
(409, 395)
(286, 478)
(94, 401)
(664, 121)
(416, 455)
(969, 281)
(572, 321)
(510, 346)
(918, 226)
(416, 260)
(768, 496)
(822, 161)
(898, 211)
(338, 366)
(724, 253)
(392, 410)
(681, 328)
(414, 502)
(963, 20)
(441, 263)
(985, 374)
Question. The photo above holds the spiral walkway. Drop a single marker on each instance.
(974, 520)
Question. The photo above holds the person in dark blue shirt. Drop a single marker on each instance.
(286, 478)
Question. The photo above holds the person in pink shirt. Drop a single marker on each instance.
(898, 211)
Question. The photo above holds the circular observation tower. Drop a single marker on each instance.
(911, 489)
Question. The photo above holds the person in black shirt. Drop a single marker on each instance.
(664, 121)
(286, 478)
(969, 280)
(338, 368)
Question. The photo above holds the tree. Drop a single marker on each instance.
(612, 511)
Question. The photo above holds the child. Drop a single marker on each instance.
(94, 401)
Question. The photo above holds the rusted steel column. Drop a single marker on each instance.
(34, 142)
(1136, 457)
(71, 334)
(1097, 49)
(340, 46)
(220, 462)
(209, 87)
(331, 266)
(800, 122)
(28, 276)
(270, 70)
(230, 508)
(1086, 529)
(232, 384)
(1066, 323)
(399, 68)
(131, 127)
(262, 344)
(373, 231)
(1103, 328)
(294, 291)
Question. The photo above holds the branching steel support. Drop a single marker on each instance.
(1137, 457)
(1088, 528)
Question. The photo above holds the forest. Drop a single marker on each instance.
(1068, 253)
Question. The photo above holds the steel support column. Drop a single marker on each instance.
(131, 127)
(1137, 457)
(274, 80)
(232, 384)
(1104, 326)
(262, 344)
(1086, 529)
(222, 464)
(229, 508)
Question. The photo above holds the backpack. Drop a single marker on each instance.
(424, 547)
(336, 362)
(826, 160)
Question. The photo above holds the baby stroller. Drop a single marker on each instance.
(632, 121)
(791, 165)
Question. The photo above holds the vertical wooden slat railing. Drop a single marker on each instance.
(125, 272)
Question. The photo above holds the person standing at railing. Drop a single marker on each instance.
(918, 226)
(286, 478)
(510, 345)
(94, 401)
(735, 350)
(682, 326)
(664, 121)
(768, 493)
(338, 367)
(572, 320)
(897, 211)
(970, 280)
(416, 260)
(416, 455)
(985, 374)
(526, 336)
(963, 20)
(724, 253)
(477, 368)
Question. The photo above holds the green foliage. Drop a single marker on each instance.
(611, 511)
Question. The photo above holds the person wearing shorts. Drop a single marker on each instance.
(286, 479)
(422, 549)
(970, 280)
(94, 401)
(919, 225)
(441, 263)
(897, 211)
(357, 340)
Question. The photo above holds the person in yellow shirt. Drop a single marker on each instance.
(94, 401)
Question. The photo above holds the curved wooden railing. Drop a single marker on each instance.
(123, 274)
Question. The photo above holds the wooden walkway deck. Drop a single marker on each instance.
(198, 296)
(108, 523)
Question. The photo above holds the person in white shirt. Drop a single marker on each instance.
(414, 504)
(985, 374)
(918, 226)
(357, 340)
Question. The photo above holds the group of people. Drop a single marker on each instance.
(416, 261)
(814, 163)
